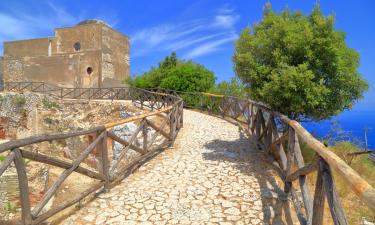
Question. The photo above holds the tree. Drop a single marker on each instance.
(299, 64)
(175, 74)
(232, 88)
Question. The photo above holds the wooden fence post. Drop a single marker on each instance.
(181, 114)
(290, 159)
(105, 162)
(24, 187)
(337, 212)
(144, 133)
(319, 199)
(303, 181)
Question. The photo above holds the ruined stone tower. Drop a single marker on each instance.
(90, 54)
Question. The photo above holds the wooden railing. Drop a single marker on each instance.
(167, 108)
(110, 93)
(280, 137)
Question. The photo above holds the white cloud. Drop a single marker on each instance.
(196, 37)
(226, 17)
(209, 47)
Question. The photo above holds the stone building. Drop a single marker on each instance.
(90, 54)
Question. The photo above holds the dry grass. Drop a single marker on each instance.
(354, 208)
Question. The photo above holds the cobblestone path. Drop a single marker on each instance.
(214, 175)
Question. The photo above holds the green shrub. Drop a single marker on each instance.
(19, 100)
(175, 74)
(49, 104)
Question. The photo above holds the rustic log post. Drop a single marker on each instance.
(171, 124)
(141, 99)
(144, 133)
(290, 159)
(337, 212)
(258, 124)
(319, 199)
(303, 179)
(250, 117)
(279, 147)
(105, 162)
(263, 128)
(24, 187)
(254, 121)
(181, 114)
(268, 138)
(223, 100)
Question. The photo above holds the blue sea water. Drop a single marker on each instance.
(352, 122)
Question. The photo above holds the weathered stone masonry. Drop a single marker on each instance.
(90, 54)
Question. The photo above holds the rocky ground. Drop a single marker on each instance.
(26, 114)
(213, 175)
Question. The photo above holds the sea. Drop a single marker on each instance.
(349, 125)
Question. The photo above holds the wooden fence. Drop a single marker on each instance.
(165, 106)
(280, 137)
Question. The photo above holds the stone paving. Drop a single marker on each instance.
(213, 175)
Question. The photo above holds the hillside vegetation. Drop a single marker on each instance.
(354, 208)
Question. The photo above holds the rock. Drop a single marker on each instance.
(124, 132)
(232, 211)
(226, 204)
(89, 217)
(366, 222)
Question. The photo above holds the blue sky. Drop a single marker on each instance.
(200, 30)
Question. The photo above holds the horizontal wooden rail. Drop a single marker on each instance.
(37, 157)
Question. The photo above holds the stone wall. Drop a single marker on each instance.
(89, 36)
(86, 55)
(115, 57)
(25, 48)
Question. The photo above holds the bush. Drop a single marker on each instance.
(48, 104)
(19, 100)
(175, 74)
(234, 87)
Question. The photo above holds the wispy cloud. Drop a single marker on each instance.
(226, 17)
(195, 38)
(23, 25)
(209, 47)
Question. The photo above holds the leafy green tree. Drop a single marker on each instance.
(232, 88)
(175, 74)
(299, 64)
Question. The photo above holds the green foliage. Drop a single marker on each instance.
(232, 88)
(299, 65)
(2, 158)
(175, 74)
(10, 206)
(19, 100)
(48, 104)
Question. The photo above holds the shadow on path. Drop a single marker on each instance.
(248, 159)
